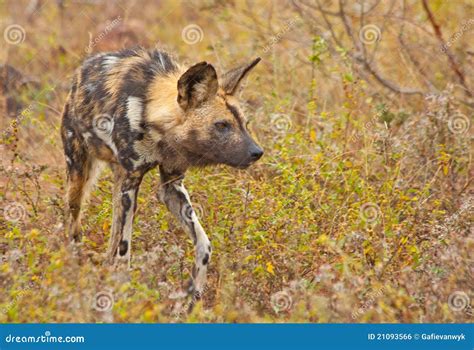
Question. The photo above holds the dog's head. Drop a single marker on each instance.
(214, 130)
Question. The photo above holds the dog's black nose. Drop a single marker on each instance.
(256, 153)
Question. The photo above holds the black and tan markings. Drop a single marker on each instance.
(138, 109)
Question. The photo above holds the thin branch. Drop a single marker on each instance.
(414, 61)
(452, 61)
(370, 67)
(323, 11)
(348, 27)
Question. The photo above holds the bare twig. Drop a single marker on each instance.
(414, 61)
(452, 60)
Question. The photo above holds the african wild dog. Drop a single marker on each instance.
(138, 109)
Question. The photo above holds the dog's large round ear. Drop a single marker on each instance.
(231, 80)
(197, 85)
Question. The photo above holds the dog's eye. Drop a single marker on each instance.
(222, 126)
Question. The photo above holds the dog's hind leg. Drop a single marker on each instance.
(82, 170)
(125, 193)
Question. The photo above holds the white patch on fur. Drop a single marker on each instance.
(110, 61)
(90, 87)
(109, 142)
(180, 188)
(202, 244)
(92, 58)
(96, 169)
(146, 149)
(161, 60)
(87, 135)
(200, 233)
(134, 112)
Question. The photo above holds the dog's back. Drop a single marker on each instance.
(106, 110)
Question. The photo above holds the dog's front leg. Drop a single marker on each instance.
(174, 195)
